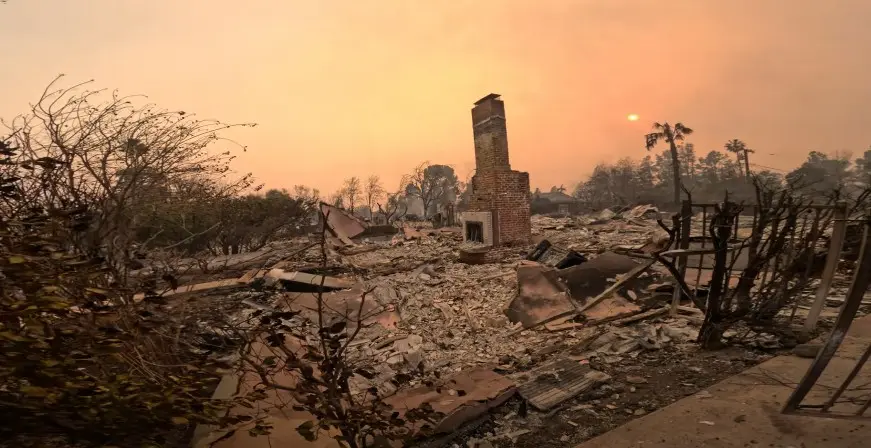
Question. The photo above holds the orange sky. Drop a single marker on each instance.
(355, 87)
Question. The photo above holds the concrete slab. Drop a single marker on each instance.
(744, 411)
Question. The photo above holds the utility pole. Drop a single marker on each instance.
(747, 152)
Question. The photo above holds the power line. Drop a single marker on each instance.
(770, 168)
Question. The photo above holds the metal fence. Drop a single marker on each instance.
(853, 399)
(814, 244)
(816, 226)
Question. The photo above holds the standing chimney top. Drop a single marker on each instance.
(491, 137)
(492, 96)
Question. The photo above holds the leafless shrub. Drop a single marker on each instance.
(79, 363)
(777, 244)
(309, 362)
(83, 357)
(141, 172)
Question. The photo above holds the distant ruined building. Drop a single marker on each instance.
(554, 201)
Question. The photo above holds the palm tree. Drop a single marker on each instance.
(671, 134)
(741, 152)
(737, 147)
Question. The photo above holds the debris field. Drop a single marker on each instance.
(558, 340)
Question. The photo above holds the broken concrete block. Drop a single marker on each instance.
(446, 310)
(395, 360)
(606, 214)
(633, 379)
(413, 358)
(807, 350)
(477, 255)
(409, 344)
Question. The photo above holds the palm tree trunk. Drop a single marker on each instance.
(675, 165)
(746, 164)
(738, 158)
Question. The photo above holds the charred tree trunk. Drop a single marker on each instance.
(675, 165)
(711, 333)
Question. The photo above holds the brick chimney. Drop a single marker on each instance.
(498, 209)
(491, 139)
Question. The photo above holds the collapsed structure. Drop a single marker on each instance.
(498, 212)
(558, 328)
(555, 336)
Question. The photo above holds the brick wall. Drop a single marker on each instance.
(506, 194)
(512, 208)
(483, 188)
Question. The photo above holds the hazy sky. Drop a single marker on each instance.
(355, 87)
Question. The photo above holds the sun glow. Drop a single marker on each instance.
(632, 117)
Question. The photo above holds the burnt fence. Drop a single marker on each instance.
(849, 400)
(810, 239)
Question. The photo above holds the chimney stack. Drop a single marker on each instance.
(491, 139)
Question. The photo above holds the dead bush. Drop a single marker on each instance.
(148, 177)
(76, 362)
(309, 361)
(780, 244)
(82, 358)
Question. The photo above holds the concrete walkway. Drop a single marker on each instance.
(744, 410)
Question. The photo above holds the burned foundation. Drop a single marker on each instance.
(498, 212)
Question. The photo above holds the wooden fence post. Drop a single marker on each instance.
(839, 232)
(858, 287)
(686, 222)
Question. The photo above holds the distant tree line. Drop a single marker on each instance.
(432, 186)
(708, 177)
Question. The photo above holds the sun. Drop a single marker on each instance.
(632, 117)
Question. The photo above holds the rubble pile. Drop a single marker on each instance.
(535, 322)
(585, 235)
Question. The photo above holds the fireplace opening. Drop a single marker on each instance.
(475, 231)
